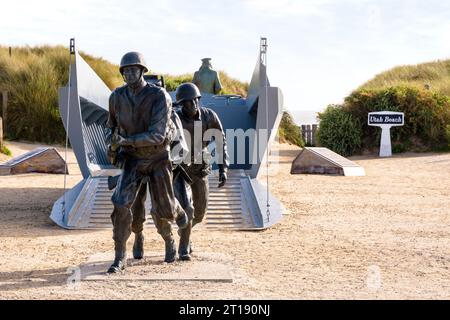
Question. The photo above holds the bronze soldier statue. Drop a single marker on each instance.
(191, 116)
(140, 125)
(206, 79)
(182, 191)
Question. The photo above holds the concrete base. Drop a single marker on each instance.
(324, 161)
(212, 267)
(41, 160)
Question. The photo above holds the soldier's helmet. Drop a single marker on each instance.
(187, 91)
(133, 59)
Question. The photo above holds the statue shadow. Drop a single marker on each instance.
(20, 280)
(25, 212)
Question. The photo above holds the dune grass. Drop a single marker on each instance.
(434, 76)
(32, 76)
(289, 132)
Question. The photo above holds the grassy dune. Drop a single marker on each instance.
(32, 76)
(433, 75)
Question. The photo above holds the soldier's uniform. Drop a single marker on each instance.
(142, 117)
(200, 167)
(182, 191)
(206, 79)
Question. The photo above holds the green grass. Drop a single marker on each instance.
(289, 132)
(434, 75)
(32, 76)
(5, 150)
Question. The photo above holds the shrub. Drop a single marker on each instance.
(426, 116)
(339, 130)
(447, 135)
(288, 131)
(5, 150)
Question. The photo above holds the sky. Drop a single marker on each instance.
(319, 50)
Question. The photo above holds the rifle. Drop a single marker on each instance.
(179, 170)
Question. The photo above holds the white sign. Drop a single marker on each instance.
(386, 120)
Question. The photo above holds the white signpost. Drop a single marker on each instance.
(385, 120)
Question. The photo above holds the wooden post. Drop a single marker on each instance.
(307, 133)
(314, 131)
(5, 109)
(1, 134)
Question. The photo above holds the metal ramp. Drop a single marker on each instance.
(233, 206)
(240, 204)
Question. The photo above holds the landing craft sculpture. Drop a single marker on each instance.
(250, 123)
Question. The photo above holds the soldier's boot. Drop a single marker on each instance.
(171, 250)
(194, 222)
(120, 259)
(184, 246)
(138, 247)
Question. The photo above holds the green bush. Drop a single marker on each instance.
(344, 128)
(427, 115)
(5, 150)
(447, 135)
(288, 131)
(339, 130)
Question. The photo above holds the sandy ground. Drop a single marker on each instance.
(382, 236)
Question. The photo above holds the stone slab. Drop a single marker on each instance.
(209, 267)
(317, 160)
(41, 160)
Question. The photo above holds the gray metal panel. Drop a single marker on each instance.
(62, 206)
(258, 81)
(88, 112)
(74, 129)
(233, 114)
(254, 195)
(89, 85)
(268, 111)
